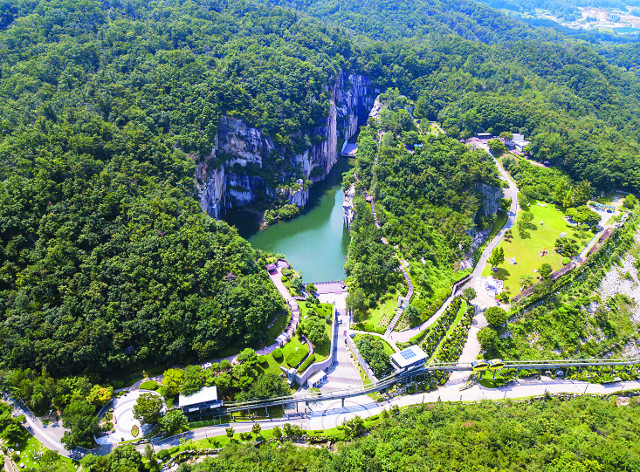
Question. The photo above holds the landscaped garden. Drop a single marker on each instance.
(315, 323)
(316, 320)
(31, 453)
(292, 279)
(378, 318)
(526, 250)
(376, 351)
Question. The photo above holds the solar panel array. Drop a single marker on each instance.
(408, 354)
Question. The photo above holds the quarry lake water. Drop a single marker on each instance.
(316, 241)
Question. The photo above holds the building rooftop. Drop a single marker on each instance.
(409, 356)
(317, 377)
(205, 394)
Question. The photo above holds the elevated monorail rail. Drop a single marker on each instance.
(392, 379)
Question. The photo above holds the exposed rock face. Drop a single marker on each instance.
(297, 196)
(242, 147)
(348, 207)
(246, 145)
(211, 189)
(491, 196)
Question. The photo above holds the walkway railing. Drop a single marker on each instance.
(439, 366)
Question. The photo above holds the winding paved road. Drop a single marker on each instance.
(482, 301)
(331, 413)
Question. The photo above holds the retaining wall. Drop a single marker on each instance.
(316, 367)
(363, 363)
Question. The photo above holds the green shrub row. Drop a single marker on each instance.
(294, 358)
(440, 327)
(149, 385)
(307, 362)
(369, 327)
(277, 355)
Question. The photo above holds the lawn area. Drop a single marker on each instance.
(293, 345)
(527, 251)
(501, 219)
(273, 365)
(33, 453)
(383, 313)
(278, 326)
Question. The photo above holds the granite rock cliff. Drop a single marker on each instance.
(234, 174)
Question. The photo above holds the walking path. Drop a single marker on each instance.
(49, 435)
(482, 301)
(331, 413)
(292, 301)
(343, 373)
(400, 310)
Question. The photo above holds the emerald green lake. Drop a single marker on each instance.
(316, 241)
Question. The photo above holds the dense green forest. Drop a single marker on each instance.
(107, 106)
(386, 21)
(105, 258)
(580, 111)
(426, 199)
(581, 434)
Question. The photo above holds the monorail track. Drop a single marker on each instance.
(382, 384)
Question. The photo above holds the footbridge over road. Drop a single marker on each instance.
(398, 377)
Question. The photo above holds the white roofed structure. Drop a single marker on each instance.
(317, 379)
(199, 403)
(409, 357)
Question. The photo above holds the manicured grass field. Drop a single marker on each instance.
(273, 366)
(527, 251)
(293, 345)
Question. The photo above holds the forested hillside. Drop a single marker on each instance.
(582, 434)
(386, 21)
(106, 260)
(425, 186)
(107, 106)
(580, 112)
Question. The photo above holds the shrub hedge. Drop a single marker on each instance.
(307, 362)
